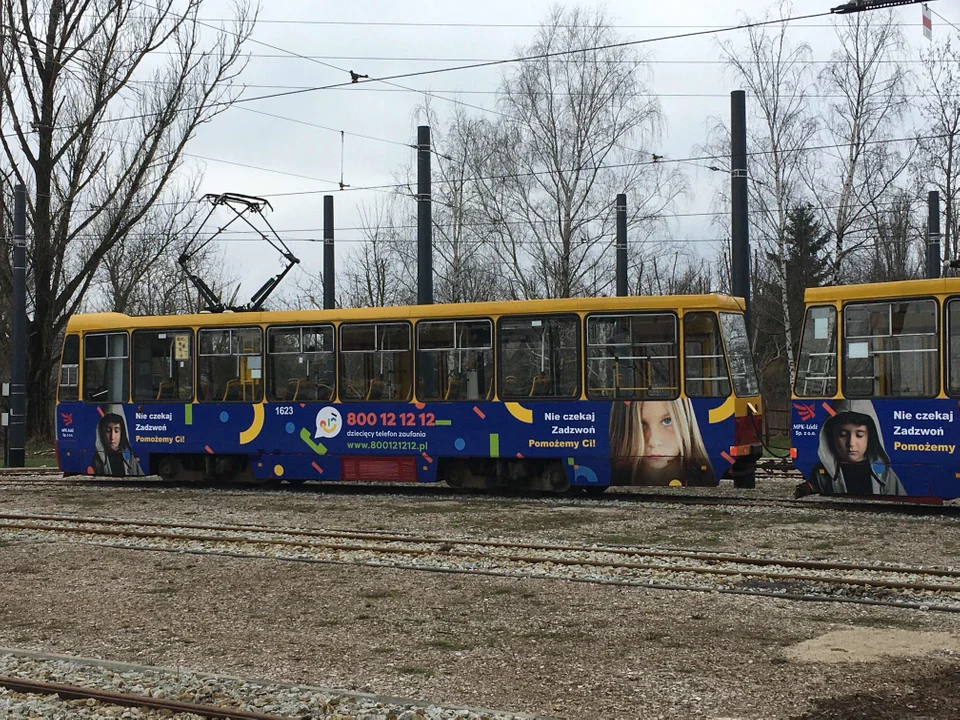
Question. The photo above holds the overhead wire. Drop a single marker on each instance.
(615, 166)
(932, 10)
(493, 63)
(504, 61)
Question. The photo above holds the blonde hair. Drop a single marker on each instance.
(627, 444)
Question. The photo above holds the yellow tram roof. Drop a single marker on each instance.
(102, 321)
(884, 290)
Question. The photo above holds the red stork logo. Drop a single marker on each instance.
(806, 412)
(67, 419)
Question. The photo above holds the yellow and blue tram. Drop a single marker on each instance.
(876, 395)
(544, 394)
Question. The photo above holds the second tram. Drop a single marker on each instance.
(876, 396)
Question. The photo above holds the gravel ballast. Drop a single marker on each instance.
(545, 647)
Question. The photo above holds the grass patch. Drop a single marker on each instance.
(620, 539)
(281, 506)
(325, 623)
(558, 635)
(429, 509)
(414, 670)
(715, 521)
(171, 590)
(448, 645)
(25, 569)
(779, 444)
(84, 499)
(37, 454)
(384, 650)
(883, 623)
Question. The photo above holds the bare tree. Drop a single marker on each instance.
(139, 275)
(570, 139)
(98, 123)
(302, 290)
(376, 273)
(465, 267)
(776, 76)
(897, 249)
(861, 169)
(939, 157)
(673, 272)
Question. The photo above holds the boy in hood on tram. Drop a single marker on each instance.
(853, 460)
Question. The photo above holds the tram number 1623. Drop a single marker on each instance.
(389, 419)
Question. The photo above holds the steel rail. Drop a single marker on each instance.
(524, 559)
(76, 692)
(437, 540)
(17, 471)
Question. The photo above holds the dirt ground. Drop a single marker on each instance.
(550, 647)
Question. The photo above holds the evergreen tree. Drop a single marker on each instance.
(808, 260)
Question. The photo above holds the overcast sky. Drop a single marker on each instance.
(380, 38)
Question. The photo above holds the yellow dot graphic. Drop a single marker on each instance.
(278, 470)
(676, 483)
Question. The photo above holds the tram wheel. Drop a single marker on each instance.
(457, 474)
(746, 482)
(555, 478)
(169, 467)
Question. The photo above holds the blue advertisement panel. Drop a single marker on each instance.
(891, 447)
(654, 442)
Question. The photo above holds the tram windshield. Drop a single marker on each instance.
(739, 356)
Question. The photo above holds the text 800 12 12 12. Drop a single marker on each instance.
(389, 419)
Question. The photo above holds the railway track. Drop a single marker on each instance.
(108, 698)
(28, 471)
(44, 477)
(687, 570)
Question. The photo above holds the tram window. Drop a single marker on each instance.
(162, 365)
(539, 357)
(301, 364)
(455, 360)
(739, 354)
(705, 369)
(632, 356)
(891, 349)
(376, 361)
(230, 365)
(817, 364)
(70, 369)
(105, 368)
(953, 347)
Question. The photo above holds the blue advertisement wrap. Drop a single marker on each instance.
(676, 442)
(878, 447)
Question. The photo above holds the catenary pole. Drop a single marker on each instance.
(18, 396)
(740, 229)
(622, 245)
(934, 263)
(424, 219)
(329, 258)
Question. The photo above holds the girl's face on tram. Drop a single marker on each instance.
(112, 436)
(660, 442)
(850, 441)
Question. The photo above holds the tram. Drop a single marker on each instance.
(875, 397)
(544, 395)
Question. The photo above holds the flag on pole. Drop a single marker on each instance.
(927, 22)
